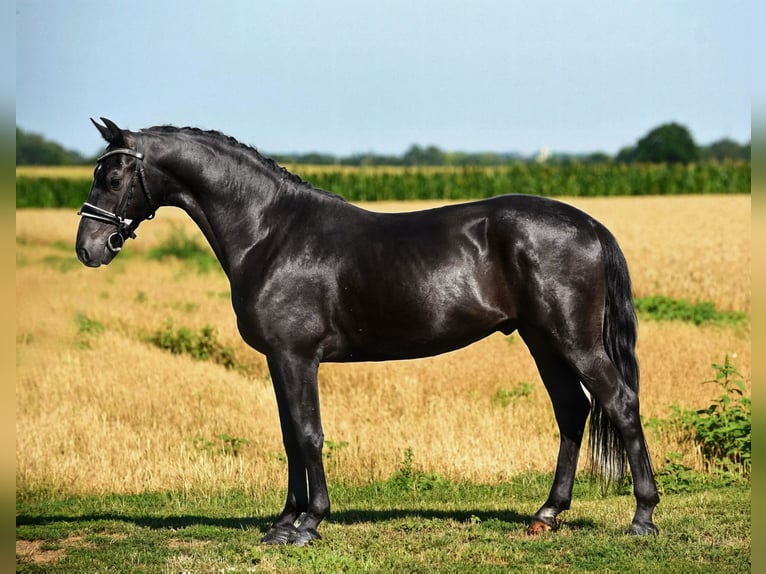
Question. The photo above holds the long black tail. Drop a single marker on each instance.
(606, 452)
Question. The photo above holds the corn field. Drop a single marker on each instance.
(68, 187)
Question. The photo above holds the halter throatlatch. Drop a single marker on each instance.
(126, 228)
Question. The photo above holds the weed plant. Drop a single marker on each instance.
(226, 445)
(202, 345)
(409, 478)
(178, 245)
(722, 430)
(662, 308)
(504, 398)
(86, 328)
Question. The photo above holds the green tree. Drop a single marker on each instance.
(668, 143)
(726, 149)
(34, 149)
(417, 155)
(627, 154)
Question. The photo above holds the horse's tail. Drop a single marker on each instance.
(606, 452)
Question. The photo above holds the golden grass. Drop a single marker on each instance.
(63, 171)
(693, 247)
(109, 413)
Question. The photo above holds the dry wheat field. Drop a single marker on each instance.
(101, 410)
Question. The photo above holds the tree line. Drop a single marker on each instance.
(667, 143)
(35, 149)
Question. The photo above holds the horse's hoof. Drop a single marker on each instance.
(279, 535)
(303, 536)
(537, 527)
(643, 529)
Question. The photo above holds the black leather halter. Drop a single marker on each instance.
(126, 228)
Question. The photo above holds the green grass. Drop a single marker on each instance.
(385, 527)
(178, 245)
(662, 308)
(202, 345)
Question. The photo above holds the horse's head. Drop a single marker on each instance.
(114, 207)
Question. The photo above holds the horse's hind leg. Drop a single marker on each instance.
(571, 408)
(602, 379)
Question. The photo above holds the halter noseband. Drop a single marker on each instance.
(126, 228)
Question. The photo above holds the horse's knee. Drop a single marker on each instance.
(311, 443)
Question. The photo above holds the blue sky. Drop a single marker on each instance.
(348, 76)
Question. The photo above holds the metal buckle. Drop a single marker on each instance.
(115, 242)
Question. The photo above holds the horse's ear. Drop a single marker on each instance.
(109, 131)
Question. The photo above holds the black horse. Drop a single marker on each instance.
(314, 278)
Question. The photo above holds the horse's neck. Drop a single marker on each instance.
(228, 210)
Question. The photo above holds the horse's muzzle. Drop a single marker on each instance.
(86, 259)
(94, 253)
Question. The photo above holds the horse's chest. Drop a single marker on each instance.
(282, 313)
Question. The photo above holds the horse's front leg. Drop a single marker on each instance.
(284, 527)
(295, 386)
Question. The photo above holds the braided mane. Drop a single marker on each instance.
(229, 141)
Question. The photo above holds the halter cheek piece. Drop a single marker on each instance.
(126, 228)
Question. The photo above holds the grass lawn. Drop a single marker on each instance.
(390, 526)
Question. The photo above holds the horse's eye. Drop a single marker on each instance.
(115, 182)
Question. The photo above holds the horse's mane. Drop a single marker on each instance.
(229, 141)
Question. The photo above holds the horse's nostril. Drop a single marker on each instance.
(82, 255)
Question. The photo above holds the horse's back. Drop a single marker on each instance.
(431, 281)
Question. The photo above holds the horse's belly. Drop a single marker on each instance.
(382, 345)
